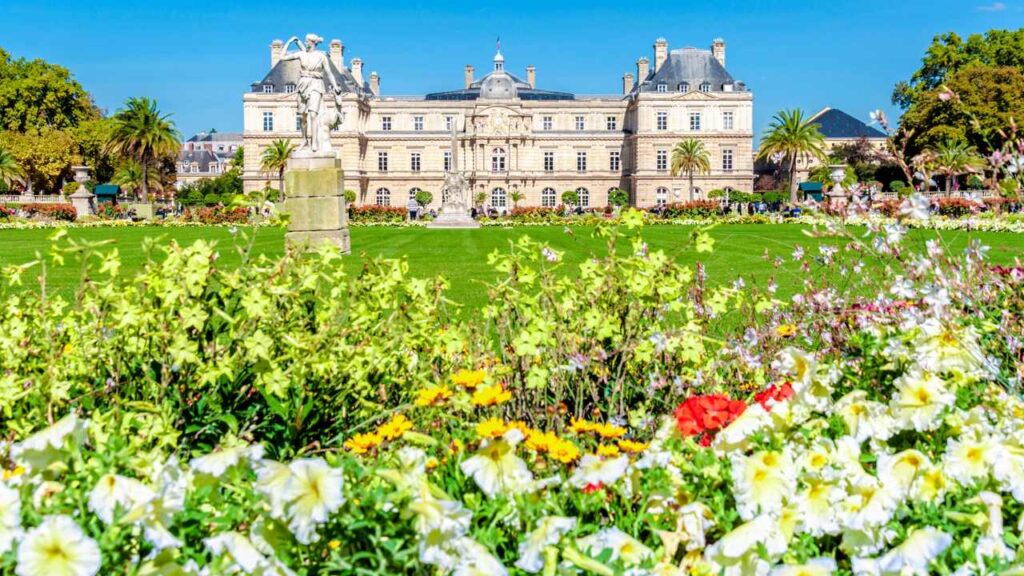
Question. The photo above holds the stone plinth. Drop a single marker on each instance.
(83, 201)
(315, 200)
(453, 220)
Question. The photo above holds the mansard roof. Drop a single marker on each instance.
(833, 123)
(286, 72)
(693, 67)
(500, 84)
(204, 158)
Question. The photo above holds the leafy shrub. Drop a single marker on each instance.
(955, 207)
(618, 197)
(61, 212)
(350, 197)
(211, 199)
(218, 214)
(373, 213)
(424, 198)
(7, 212)
(571, 197)
(692, 209)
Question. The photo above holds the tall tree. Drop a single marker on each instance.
(275, 159)
(791, 136)
(44, 156)
(140, 132)
(953, 158)
(92, 137)
(130, 176)
(36, 95)
(10, 171)
(689, 157)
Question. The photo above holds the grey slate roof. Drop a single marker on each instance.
(833, 123)
(286, 72)
(692, 66)
(216, 137)
(202, 157)
(495, 84)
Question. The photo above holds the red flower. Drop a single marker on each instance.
(773, 395)
(592, 487)
(700, 414)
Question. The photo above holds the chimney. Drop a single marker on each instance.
(660, 53)
(718, 51)
(357, 70)
(531, 76)
(627, 83)
(469, 75)
(276, 47)
(338, 54)
(641, 69)
(375, 84)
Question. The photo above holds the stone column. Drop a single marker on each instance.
(83, 201)
(316, 201)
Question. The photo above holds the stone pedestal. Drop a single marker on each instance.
(453, 220)
(315, 199)
(83, 201)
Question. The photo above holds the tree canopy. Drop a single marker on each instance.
(36, 95)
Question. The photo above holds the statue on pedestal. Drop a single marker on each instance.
(314, 77)
(454, 196)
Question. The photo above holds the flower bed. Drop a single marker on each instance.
(373, 214)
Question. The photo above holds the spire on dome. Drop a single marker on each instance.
(499, 60)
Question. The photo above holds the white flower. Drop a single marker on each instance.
(548, 532)
(595, 471)
(217, 463)
(899, 471)
(58, 547)
(43, 448)
(439, 524)
(10, 518)
(902, 288)
(816, 504)
(797, 364)
(114, 491)
(738, 433)
(694, 520)
(271, 479)
(496, 469)
(916, 207)
(762, 482)
(968, 460)
(991, 544)
(475, 560)
(920, 399)
(813, 567)
(171, 484)
(737, 553)
(930, 485)
(865, 418)
(942, 347)
(240, 552)
(868, 503)
(912, 557)
(622, 546)
(314, 491)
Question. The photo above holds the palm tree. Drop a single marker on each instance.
(10, 171)
(516, 197)
(690, 156)
(275, 159)
(129, 177)
(790, 136)
(141, 133)
(953, 158)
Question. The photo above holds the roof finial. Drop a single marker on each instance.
(499, 60)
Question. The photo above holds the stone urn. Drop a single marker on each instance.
(83, 200)
(837, 196)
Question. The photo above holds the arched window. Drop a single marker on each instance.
(498, 160)
(548, 198)
(499, 198)
(697, 193)
(584, 195)
(383, 197)
(661, 197)
(413, 192)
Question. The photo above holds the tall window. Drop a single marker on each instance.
(449, 123)
(614, 160)
(447, 161)
(584, 195)
(498, 160)
(268, 121)
(383, 197)
(611, 123)
(298, 122)
(499, 198)
(417, 122)
(382, 161)
(661, 196)
(662, 120)
(414, 161)
(727, 120)
(548, 198)
(549, 161)
(581, 123)
(581, 161)
(546, 123)
(385, 123)
(726, 159)
(695, 121)
(662, 87)
(662, 160)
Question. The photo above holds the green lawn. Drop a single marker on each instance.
(461, 255)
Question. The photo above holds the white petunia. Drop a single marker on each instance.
(596, 471)
(816, 503)
(622, 546)
(10, 518)
(58, 547)
(899, 471)
(114, 492)
(271, 479)
(798, 365)
(439, 524)
(695, 519)
(911, 558)
(40, 450)
(968, 460)
(738, 552)
(762, 482)
(548, 532)
(813, 567)
(476, 560)
(218, 462)
(496, 469)
(942, 347)
(314, 491)
(238, 551)
(930, 485)
(865, 418)
(736, 436)
(920, 399)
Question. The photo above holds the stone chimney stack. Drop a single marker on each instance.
(338, 54)
(718, 51)
(276, 48)
(375, 84)
(660, 53)
(641, 69)
(469, 75)
(627, 83)
(357, 70)
(531, 76)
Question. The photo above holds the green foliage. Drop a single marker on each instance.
(10, 170)
(350, 196)
(790, 136)
(618, 197)
(424, 198)
(690, 157)
(141, 132)
(571, 198)
(36, 96)
(224, 187)
(275, 158)
(43, 156)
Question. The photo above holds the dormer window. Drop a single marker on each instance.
(705, 87)
(684, 87)
(662, 87)
(289, 88)
(268, 88)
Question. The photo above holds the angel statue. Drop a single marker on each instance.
(314, 73)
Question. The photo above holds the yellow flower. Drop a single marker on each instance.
(363, 443)
(632, 446)
(491, 428)
(564, 451)
(469, 378)
(786, 330)
(18, 471)
(456, 446)
(609, 431)
(334, 544)
(395, 428)
(606, 450)
(491, 396)
(581, 426)
(433, 395)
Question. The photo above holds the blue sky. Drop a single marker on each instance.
(197, 58)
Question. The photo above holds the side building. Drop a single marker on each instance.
(206, 155)
(518, 143)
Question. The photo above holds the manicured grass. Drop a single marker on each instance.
(461, 255)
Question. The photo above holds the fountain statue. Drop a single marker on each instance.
(454, 196)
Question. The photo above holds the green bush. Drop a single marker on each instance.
(424, 198)
(618, 197)
(350, 197)
(571, 197)
(211, 199)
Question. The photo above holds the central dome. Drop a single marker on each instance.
(498, 85)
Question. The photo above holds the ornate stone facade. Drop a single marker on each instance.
(516, 140)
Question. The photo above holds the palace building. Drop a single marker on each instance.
(517, 140)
